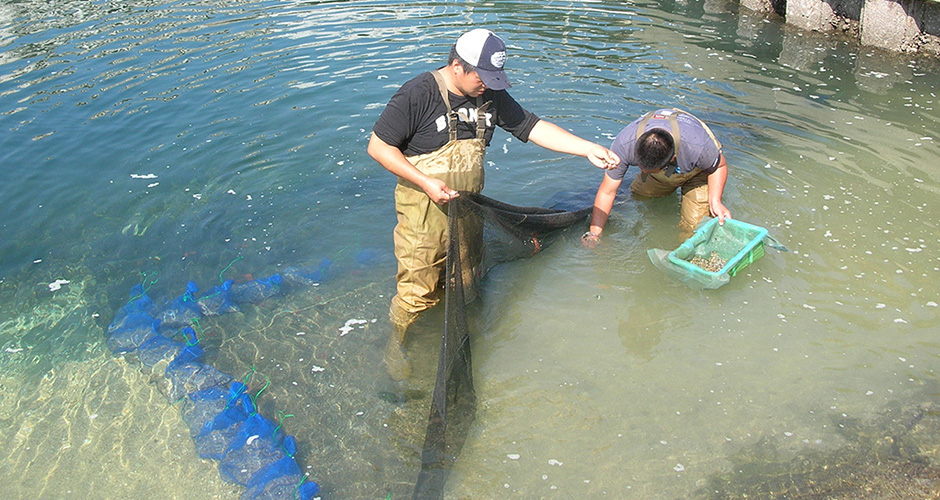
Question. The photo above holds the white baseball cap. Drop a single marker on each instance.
(487, 53)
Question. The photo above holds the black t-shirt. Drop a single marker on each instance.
(415, 119)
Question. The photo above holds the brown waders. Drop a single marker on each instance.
(421, 234)
(694, 184)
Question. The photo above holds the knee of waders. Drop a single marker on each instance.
(694, 208)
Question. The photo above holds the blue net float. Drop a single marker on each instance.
(223, 419)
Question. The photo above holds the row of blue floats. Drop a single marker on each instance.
(223, 419)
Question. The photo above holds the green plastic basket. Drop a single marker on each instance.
(738, 243)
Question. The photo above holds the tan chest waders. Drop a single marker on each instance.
(421, 234)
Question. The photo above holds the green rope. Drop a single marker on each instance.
(248, 375)
(188, 297)
(147, 285)
(209, 296)
(281, 417)
(144, 285)
(221, 281)
(245, 383)
(228, 266)
(303, 479)
(199, 331)
(189, 343)
(254, 400)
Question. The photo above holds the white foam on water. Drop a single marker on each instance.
(57, 284)
(350, 325)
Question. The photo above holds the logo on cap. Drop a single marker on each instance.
(498, 59)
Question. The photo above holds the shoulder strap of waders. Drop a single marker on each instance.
(700, 122)
(452, 117)
(673, 125)
(481, 117)
(451, 114)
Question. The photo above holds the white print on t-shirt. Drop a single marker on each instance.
(468, 115)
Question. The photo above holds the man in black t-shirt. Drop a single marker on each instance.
(432, 135)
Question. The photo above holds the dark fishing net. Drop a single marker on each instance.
(482, 233)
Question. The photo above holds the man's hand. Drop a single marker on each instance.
(438, 191)
(716, 186)
(590, 240)
(602, 157)
(719, 210)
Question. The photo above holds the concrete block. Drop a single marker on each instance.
(813, 15)
(886, 24)
(762, 6)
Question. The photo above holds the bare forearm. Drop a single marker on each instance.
(716, 184)
(603, 204)
(716, 188)
(392, 159)
(551, 136)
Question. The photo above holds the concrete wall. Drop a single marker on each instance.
(896, 25)
(766, 6)
(906, 25)
(831, 15)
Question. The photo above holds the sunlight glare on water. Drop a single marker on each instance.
(199, 141)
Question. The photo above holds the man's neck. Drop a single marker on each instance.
(447, 73)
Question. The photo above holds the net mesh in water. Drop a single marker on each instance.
(482, 233)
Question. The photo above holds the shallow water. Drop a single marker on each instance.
(193, 140)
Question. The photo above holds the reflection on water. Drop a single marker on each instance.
(172, 139)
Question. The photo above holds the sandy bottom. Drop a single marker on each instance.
(99, 430)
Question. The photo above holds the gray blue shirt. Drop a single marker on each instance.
(697, 149)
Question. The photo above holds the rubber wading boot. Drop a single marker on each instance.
(396, 359)
(397, 363)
